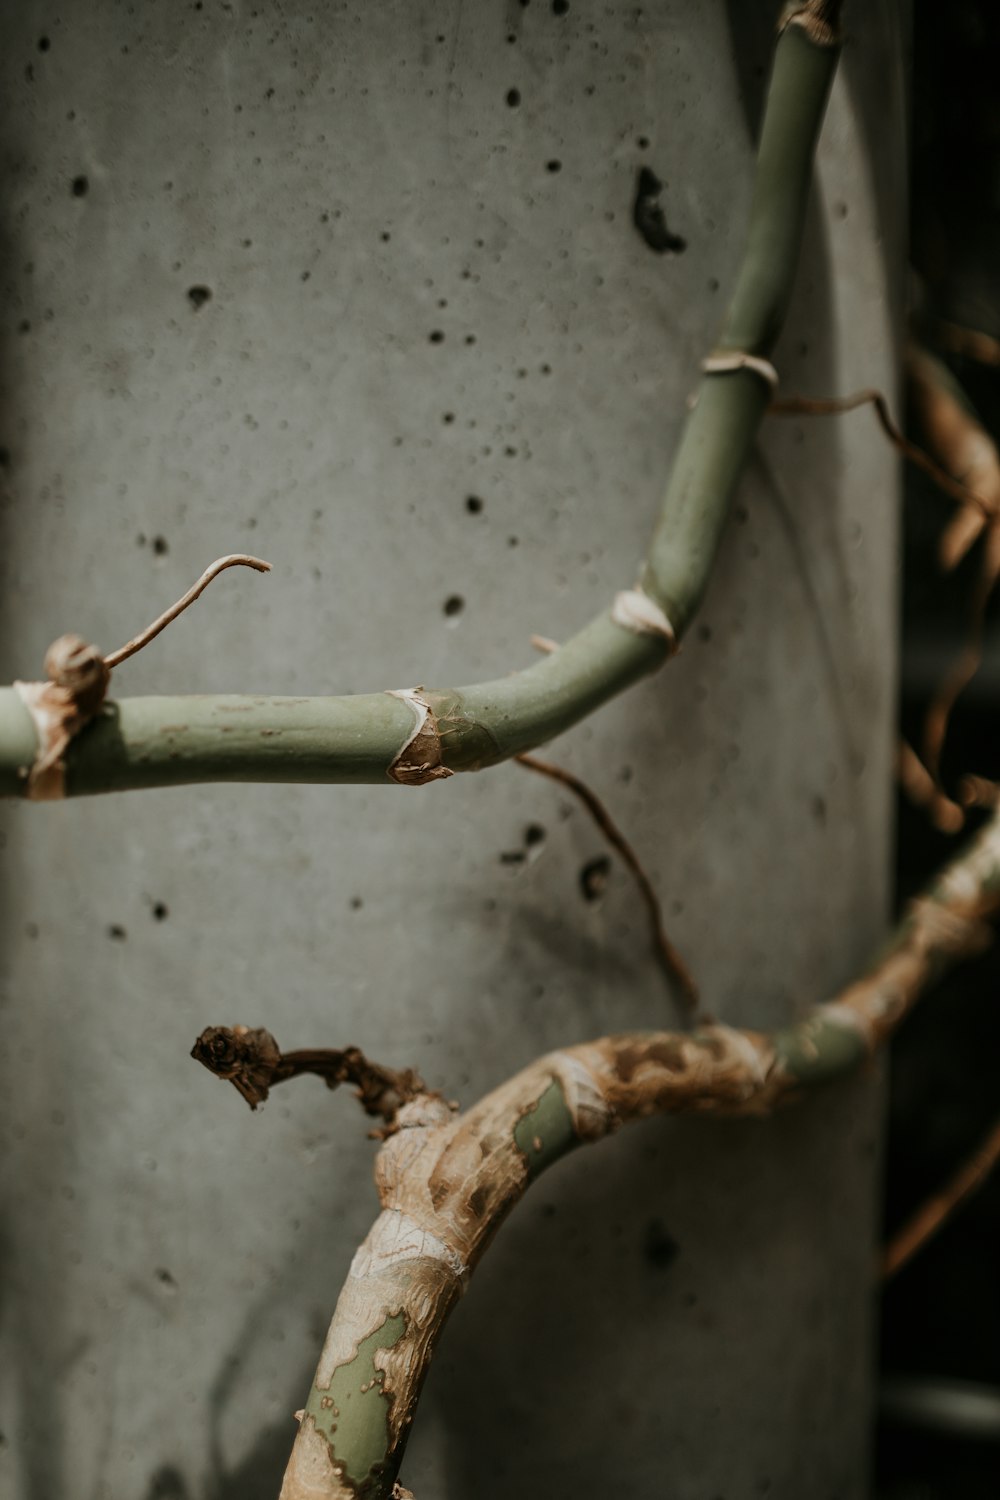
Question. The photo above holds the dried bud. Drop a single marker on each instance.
(80, 670)
(247, 1057)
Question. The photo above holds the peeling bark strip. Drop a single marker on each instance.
(636, 611)
(446, 1183)
(819, 19)
(732, 359)
(420, 759)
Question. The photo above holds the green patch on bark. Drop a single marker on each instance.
(546, 1132)
(352, 1413)
(820, 1050)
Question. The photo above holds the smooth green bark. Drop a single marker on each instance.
(721, 430)
(355, 1401)
(151, 742)
(546, 1132)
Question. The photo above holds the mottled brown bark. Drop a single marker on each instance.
(446, 1182)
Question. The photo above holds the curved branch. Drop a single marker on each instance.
(417, 736)
(446, 1183)
(233, 560)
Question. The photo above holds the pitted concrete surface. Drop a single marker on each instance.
(360, 288)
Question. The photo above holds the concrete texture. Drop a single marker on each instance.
(436, 363)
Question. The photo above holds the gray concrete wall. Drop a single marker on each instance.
(410, 306)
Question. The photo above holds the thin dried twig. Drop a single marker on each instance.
(799, 406)
(925, 793)
(234, 560)
(959, 438)
(674, 966)
(978, 791)
(251, 1060)
(969, 342)
(936, 1212)
(967, 664)
(544, 644)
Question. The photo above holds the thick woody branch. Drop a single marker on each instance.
(414, 736)
(447, 1182)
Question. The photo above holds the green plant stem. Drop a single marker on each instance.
(721, 429)
(153, 742)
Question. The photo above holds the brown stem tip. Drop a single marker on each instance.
(250, 1059)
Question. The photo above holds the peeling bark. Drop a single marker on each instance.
(78, 678)
(819, 19)
(420, 759)
(446, 1183)
(634, 610)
